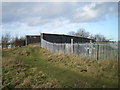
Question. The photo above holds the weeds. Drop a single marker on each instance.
(16, 74)
(34, 67)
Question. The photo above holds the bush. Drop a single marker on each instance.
(19, 42)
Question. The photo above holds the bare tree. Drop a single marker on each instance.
(18, 42)
(6, 40)
(91, 36)
(81, 32)
(100, 38)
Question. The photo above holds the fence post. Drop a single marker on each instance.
(64, 48)
(26, 41)
(71, 45)
(78, 49)
(97, 51)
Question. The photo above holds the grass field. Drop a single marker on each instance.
(34, 67)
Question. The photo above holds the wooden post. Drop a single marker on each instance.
(41, 38)
(97, 51)
(26, 40)
(78, 49)
(41, 35)
(71, 45)
(64, 48)
(90, 41)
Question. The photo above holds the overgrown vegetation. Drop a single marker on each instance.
(34, 67)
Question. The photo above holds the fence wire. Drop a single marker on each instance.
(94, 51)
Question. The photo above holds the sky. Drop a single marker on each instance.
(27, 18)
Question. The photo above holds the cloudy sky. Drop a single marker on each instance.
(21, 18)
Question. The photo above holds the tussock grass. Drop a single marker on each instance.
(17, 74)
(106, 70)
(34, 67)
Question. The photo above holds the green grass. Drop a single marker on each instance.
(65, 69)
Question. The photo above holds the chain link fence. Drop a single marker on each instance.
(94, 51)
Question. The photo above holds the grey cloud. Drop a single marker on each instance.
(96, 12)
(43, 13)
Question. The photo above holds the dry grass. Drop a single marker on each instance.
(20, 75)
(16, 74)
(103, 69)
(34, 45)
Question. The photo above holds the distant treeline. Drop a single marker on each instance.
(7, 40)
(81, 32)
